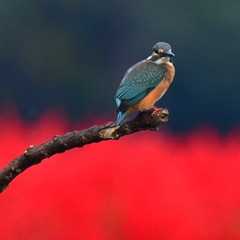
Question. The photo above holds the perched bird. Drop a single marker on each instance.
(145, 82)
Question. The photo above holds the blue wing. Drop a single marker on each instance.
(139, 80)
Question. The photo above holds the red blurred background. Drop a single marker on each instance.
(150, 185)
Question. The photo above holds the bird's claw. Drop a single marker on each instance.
(156, 110)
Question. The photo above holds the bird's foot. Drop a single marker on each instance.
(156, 110)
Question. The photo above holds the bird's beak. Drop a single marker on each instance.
(169, 53)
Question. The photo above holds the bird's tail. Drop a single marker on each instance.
(120, 117)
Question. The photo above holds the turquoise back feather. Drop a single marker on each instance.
(139, 80)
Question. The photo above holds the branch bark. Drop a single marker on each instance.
(59, 144)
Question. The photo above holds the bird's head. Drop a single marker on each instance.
(161, 52)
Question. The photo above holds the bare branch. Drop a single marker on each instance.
(59, 144)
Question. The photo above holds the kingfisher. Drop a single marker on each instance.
(145, 82)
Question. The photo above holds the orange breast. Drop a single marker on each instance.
(149, 101)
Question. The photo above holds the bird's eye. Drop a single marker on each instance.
(156, 50)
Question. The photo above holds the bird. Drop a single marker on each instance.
(145, 82)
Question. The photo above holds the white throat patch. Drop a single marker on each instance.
(162, 60)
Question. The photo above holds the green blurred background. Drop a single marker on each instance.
(72, 55)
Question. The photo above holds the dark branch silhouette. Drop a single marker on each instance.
(59, 144)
